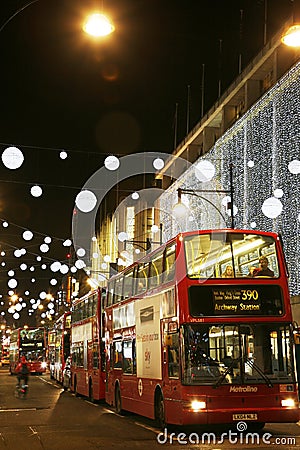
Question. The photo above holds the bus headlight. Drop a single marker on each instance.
(288, 402)
(44, 365)
(198, 405)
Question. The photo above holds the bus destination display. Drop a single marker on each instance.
(235, 300)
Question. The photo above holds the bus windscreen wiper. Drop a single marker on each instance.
(259, 371)
(227, 371)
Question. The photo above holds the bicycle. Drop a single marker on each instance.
(21, 390)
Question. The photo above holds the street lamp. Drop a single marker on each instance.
(98, 25)
(291, 37)
(180, 209)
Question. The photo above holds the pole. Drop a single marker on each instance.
(231, 193)
(69, 290)
(175, 126)
(265, 21)
(202, 90)
(188, 110)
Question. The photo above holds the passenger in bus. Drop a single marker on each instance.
(263, 270)
(228, 273)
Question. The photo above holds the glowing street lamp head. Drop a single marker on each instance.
(98, 25)
(292, 36)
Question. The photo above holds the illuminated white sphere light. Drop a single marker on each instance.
(55, 266)
(180, 210)
(158, 163)
(67, 243)
(36, 191)
(12, 283)
(278, 193)
(80, 252)
(112, 162)
(154, 228)
(135, 196)
(5, 224)
(80, 264)
(294, 166)
(205, 171)
(64, 269)
(272, 207)
(250, 164)
(44, 248)
(12, 158)
(63, 155)
(27, 235)
(122, 236)
(86, 201)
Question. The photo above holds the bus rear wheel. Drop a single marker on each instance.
(160, 411)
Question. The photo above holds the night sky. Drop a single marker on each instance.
(62, 90)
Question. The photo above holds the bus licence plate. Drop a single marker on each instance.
(244, 417)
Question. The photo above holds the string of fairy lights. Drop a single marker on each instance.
(264, 148)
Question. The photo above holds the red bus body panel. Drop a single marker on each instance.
(226, 403)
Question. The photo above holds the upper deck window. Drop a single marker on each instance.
(230, 255)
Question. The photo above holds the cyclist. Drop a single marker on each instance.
(22, 371)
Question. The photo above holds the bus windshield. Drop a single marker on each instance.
(230, 255)
(32, 343)
(237, 353)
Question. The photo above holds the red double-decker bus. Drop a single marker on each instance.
(31, 343)
(87, 347)
(200, 332)
(59, 342)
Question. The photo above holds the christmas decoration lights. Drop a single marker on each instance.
(263, 146)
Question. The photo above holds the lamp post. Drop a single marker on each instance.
(196, 192)
(97, 24)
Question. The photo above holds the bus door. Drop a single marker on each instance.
(171, 371)
(85, 354)
(94, 368)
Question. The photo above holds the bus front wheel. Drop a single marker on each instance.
(160, 410)
(118, 400)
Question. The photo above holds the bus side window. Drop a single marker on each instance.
(142, 277)
(128, 357)
(110, 293)
(155, 271)
(169, 263)
(117, 359)
(95, 356)
(128, 284)
(173, 356)
(118, 294)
